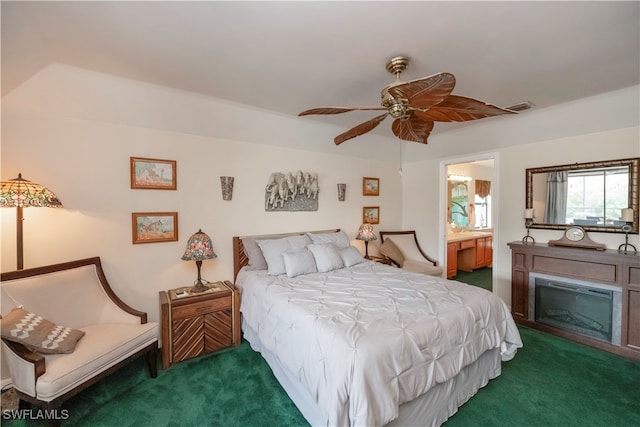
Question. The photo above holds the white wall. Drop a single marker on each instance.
(80, 146)
(421, 210)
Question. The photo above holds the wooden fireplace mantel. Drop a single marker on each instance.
(605, 267)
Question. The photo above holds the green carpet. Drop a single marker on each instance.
(550, 382)
(482, 277)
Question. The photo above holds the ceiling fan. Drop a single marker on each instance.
(415, 105)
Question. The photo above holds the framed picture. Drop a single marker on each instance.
(370, 186)
(371, 214)
(153, 174)
(153, 227)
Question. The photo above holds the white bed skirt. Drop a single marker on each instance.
(431, 409)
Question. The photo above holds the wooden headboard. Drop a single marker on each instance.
(240, 258)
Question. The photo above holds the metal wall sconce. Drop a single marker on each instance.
(342, 191)
(226, 182)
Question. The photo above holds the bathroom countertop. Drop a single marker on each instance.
(466, 235)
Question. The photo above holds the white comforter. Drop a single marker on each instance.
(366, 339)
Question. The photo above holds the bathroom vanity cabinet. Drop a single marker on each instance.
(468, 251)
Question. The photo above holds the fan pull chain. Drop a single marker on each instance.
(400, 166)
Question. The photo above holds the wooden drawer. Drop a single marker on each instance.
(633, 278)
(587, 270)
(199, 308)
(633, 318)
(466, 244)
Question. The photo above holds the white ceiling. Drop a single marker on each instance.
(290, 56)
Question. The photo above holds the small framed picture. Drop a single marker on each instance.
(153, 227)
(370, 186)
(153, 174)
(371, 214)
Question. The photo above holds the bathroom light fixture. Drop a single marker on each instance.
(459, 178)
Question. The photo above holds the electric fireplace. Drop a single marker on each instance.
(589, 309)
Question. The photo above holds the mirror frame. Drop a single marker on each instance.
(634, 184)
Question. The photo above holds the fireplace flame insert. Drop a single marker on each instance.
(588, 309)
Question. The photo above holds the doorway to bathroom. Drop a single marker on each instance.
(469, 217)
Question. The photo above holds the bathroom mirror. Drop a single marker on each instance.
(591, 195)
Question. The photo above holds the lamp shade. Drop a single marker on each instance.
(627, 215)
(20, 192)
(199, 247)
(366, 233)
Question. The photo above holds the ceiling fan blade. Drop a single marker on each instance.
(336, 110)
(412, 129)
(461, 109)
(423, 93)
(360, 129)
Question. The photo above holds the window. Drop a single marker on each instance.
(483, 211)
(597, 196)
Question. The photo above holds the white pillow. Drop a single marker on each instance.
(253, 252)
(297, 263)
(351, 256)
(256, 260)
(272, 250)
(326, 256)
(338, 238)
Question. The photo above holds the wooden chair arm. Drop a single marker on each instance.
(29, 356)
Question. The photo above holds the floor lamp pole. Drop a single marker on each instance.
(19, 220)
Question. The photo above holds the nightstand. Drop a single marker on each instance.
(381, 260)
(198, 323)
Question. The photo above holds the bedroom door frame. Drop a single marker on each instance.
(495, 202)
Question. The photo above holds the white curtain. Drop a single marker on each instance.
(556, 206)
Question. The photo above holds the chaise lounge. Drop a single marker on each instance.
(101, 333)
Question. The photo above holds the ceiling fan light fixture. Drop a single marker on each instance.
(396, 108)
(415, 106)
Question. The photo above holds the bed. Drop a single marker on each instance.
(355, 342)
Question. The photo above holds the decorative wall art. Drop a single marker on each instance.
(371, 214)
(153, 174)
(292, 192)
(370, 186)
(153, 227)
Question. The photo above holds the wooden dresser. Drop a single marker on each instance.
(605, 267)
(200, 323)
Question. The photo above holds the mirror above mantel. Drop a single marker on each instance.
(591, 195)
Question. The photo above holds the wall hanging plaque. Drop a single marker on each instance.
(292, 192)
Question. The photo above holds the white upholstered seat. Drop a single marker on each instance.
(77, 295)
(412, 257)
